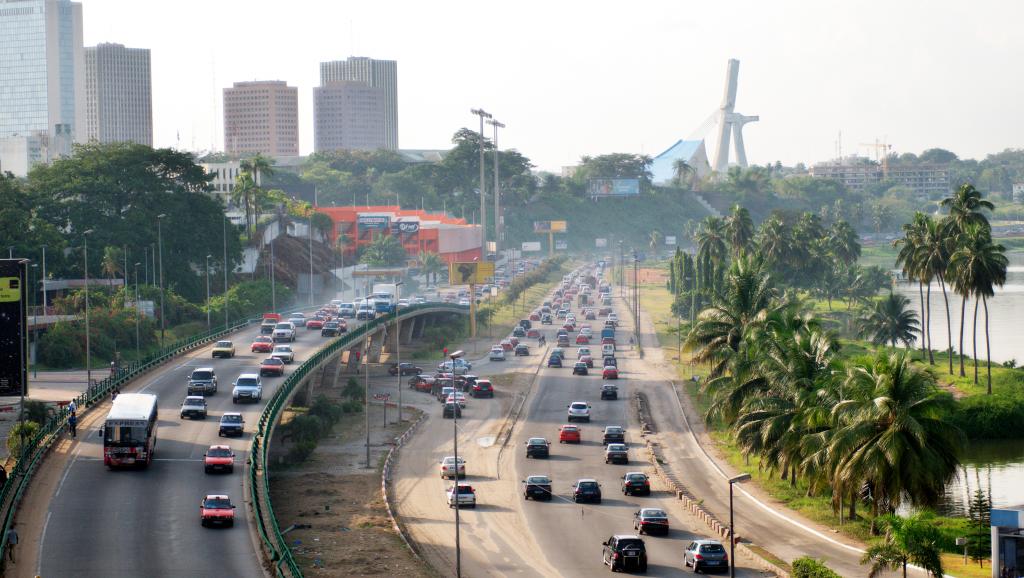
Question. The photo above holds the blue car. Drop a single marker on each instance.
(555, 361)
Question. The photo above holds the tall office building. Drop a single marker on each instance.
(118, 94)
(348, 115)
(41, 80)
(261, 117)
(376, 73)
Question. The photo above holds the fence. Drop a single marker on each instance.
(259, 482)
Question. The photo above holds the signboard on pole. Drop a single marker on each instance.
(670, 239)
(549, 226)
(13, 327)
(531, 246)
(470, 272)
(600, 243)
(613, 187)
(561, 244)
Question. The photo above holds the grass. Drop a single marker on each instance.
(953, 564)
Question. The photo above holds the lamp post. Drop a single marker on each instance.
(483, 192)
(366, 383)
(732, 535)
(398, 348)
(208, 292)
(35, 314)
(88, 353)
(311, 259)
(636, 298)
(43, 281)
(498, 225)
(224, 226)
(160, 244)
(138, 310)
(273, 282)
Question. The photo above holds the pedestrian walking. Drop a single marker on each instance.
(12, 541)
(72, 407)
(73, 425)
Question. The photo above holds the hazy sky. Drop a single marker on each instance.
(584, 78)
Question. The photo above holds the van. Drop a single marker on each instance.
(608, 349)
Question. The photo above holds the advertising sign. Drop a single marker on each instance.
(600, 243)
(531, 246)
(613, 187)
(470, 272)
(492, 246)
(404, 227)
(13, 324)
(374, 221)
(561, 244)
(549, 226)
(670, 239)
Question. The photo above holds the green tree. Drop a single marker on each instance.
(112, 264)
(682, 172)
(909, 258)
(966, 206)
(933, 255)
(911, 540)
(432, 264)
(22, 226)
(890, 321)
(843, 242)
(384, 251)
(739, 230)
(256, 167)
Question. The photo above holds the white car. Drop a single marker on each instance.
(497, 353)
(466, 496)
(284, 353)
(579, 411)
(457, 397)
(613, 317)
(248, 387)
(449, 469)
(284, 331)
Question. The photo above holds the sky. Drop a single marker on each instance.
(572, 78)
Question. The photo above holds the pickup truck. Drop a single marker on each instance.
(284, 331)
(202, 381)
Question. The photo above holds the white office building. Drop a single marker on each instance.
(118, 94)
(381, 74)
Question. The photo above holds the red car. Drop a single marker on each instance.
(605, 311)
(272, 366)
(315, 323)
(216, 509)
(607, 340)
(533, 333)
(610, 372)
(535, 317)
(569, 434)
(587, 359)
(219, 459)
(514, 341)
(582, 339)
(482, 388)
(263, 344)
(569, 326)
(506, 345)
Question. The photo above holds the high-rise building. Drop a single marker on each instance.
(261, 117)
(118, 94)
(41, 77)
(348, 115)
(376, 73)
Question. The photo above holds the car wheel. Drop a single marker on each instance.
(206, 470)
(696, 567)
(234, 400)
(526, 496)
(202, 523)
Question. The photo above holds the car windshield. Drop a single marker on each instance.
(223, 344)
(538, 442)
(194, 401)
(613, 430)
(712, 549)
(231, 419)
(569, 428)
(219, 503)
(284, 325)
(219, 453)
(202, 375)
(538, 480)
(283, 349)
(616, 448)
(588, 485)
(272, 361)
(246, 382)
(451, 460)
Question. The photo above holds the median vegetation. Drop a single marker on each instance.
(309, 425)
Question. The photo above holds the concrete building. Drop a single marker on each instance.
(858, 174)
(381, 74)
(348, 115)
(261, 117)
(223, 184)
(18, 154)
(118, 94)
(1018, 192)
(1007, 541)
(41, 78)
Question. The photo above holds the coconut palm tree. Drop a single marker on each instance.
(774, 242)
(111, 264)
(255, 167)
(432, 264)
(892, 436)
(710, 240)
(739, 229)
(654, 240)
(843, 242)
(932, 256)
(911, 540)
(682, 172)
(966, 206)
(979, 265)
(890, 321)
(909, 259)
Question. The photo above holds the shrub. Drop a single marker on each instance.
(36, 411)
(59, 346)
(997, 416)
(807, 567)
(300, 452)
(248, 299)
(352, 406)
(353, 391)
(25, 430)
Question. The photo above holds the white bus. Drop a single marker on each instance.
(129, 432)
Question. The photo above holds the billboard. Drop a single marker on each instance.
(531, 246)
(613, 187)
(549, 226)
(599, 243)
(561, 244)
(670, 239)
(404, 227)
(470, 272)
(374, 221)
(13, 326)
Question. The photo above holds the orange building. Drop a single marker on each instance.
(418, 231)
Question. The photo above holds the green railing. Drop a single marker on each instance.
(34, 450)
(280, 554)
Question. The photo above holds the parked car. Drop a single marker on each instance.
(464, 495)
(537, 487)
(223, 348)
(216, 510)
(705, 555)
(636, 483)
(569, 434)
(616, 454)
(194, 407)
(650, 521)
(231, 424)
(404, 369)
(422, 383)
(609, 391)
(586, 490)
(219, 458)
(624, 552)
(449, 469)
(538, 448)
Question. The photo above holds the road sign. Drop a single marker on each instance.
(670, 240)
(382, 396)
(599, 243)
(13, 327)
(470, 272)
(561, 244)
(549, 226)
(531, 246)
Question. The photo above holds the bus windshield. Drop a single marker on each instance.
(124, 435)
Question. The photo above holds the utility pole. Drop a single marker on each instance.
(483, 192)
(273, 283)
(398, 350)
(208, 292)
(455, 441)
(311, 259)
(499, 226)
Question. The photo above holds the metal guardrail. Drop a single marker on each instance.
(34, 451)
(268, 529)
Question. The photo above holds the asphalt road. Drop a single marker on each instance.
(132, 523)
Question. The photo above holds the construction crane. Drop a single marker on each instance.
(881, 149)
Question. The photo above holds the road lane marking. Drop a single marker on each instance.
(39, 556)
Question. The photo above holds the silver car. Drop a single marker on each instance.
(706, 556)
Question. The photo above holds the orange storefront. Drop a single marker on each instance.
(419, 231)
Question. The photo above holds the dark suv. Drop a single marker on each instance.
(451, 411)
(623, 552)
(202, 381)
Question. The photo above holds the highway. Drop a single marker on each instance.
(133, 523)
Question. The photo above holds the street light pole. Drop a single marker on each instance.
(43, 281)
(366, 390)
(88, 353)
(224, 226)
(483, 192)
(138, 310)
(273, 282)
(311, 259)
(160, 243)
(498, 225)
(732, 535)
(636, 298)
(35, 316)
(398, 347)
(208, 292)
(455, 441)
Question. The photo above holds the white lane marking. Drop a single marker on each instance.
(75, 457)
(39, 556)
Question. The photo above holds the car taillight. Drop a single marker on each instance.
(698, 557)
(646, 483)
(616, 556)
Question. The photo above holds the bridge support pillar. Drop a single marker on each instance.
(419, 325)
(407, 330)
(375, 346)
(353, 358)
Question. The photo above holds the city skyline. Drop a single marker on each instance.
(913, 81)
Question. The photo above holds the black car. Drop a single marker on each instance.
(634, 483)
(613, 434)
(404, 369)
(610, 360)
(537, 487)
(526, 324)
(518, 332)
(546, 319)
(555, 361)
(522, 349)
(580, 368)
(586, 490)
(538, 448)
(624, 552)
(609, 391)
(331, 329)
(451, 410)
(651, 521)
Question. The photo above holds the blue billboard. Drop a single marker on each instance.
(613, 187)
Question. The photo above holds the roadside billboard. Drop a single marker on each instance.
(600, 243)
(670, 239)
(13, 327)
(613, 187)
(531, 246)
(470, 272)
(405, 227)
(561, 244)
(549, 226)
(380, 222)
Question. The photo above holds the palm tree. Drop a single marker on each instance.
(242, 193)
(112, 262)
(911, 540)
(384, 251)
(965, 207)
(773, 241)
(890, 321)
(654, 240)
(710, 240)
(680, 170)
(892, 436)
(739, 229)
(979, 266)
(256, 167)
(432, 264)
(843, 242)
(909, 259)
(933, 253)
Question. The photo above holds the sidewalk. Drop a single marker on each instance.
(50, 387)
